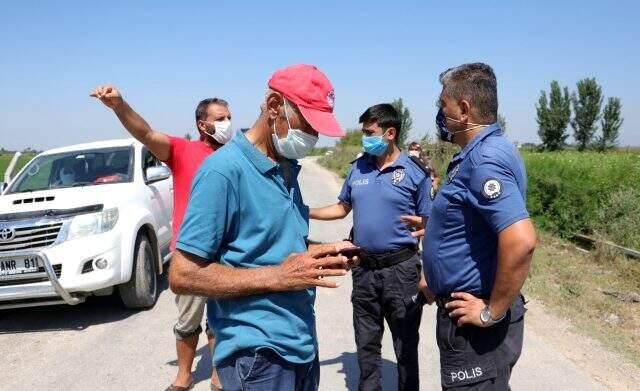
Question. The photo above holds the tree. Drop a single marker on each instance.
(553, 117)
(187, 136)
(586, 106)
(353, 137)
(502, 121)
(611, 123)
(406, 123)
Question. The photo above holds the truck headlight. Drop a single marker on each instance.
(93, 223)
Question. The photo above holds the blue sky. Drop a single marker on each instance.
(166, 55)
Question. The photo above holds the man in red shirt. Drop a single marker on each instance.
(184, 157)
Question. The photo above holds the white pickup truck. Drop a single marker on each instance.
(83, 220)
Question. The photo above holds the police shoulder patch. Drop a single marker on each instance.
(432, 193)
(397, 176)
(491, 188)
(452, 173)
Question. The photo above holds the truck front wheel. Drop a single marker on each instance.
(141, 290)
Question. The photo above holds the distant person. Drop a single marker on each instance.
(415, 150)
(243, 241)
(184, 157)
(480, 239)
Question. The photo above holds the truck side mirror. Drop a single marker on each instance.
(157, 173)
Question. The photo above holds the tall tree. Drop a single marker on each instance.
(502, 121)
(405, 120)
(554, 114)
(586, 107)
(611, 123)
(187, 136)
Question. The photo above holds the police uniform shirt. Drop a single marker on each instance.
(484, 192)
(379, 198)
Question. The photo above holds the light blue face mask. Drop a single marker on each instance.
(375, 145)
(297, 143)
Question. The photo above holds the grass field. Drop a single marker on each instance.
(5, 159)
(570, 283)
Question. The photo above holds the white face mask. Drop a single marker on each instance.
(414, 153)
(223, 133)
(297, 143)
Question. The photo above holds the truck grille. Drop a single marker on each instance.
(32, 237)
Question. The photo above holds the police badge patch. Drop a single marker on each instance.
(433, 193)
(453, 173)
(397, 176)
(491, 188)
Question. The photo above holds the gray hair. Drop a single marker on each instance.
(475, 83)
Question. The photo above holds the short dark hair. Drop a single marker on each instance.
(415, 144)
(201, 109)
(476, 83)
(385, 115)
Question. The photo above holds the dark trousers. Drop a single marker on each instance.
(475, 358)
(387, 293)
(265, 370)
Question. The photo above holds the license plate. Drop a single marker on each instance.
(19, 265)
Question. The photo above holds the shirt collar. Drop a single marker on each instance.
(255, 156)
(401, 161)
(259, 159)
(486, 132)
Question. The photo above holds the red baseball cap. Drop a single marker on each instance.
(307, 87)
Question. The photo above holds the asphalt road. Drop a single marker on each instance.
(100, 346)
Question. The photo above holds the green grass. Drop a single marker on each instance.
(5, 159)
(568, 282)
(340, 160)
(586, 192)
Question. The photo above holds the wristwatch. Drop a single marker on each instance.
(486, 319)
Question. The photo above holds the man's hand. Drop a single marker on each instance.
(158, 143)
(108, 95)
(413, 222)
(307, 270)
(353, 261)
(422, 286)
(467, 309)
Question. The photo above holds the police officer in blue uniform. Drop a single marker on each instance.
(479, 240)
(383, 185)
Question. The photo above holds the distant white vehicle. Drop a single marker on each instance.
(83, 220)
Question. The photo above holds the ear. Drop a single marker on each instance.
(465, 110)
(273, 102)
(392, 133)
(201, 125)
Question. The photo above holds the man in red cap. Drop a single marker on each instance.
(243, 241)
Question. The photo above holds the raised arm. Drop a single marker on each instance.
(157, 142)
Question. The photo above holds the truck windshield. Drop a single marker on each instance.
(78, 168)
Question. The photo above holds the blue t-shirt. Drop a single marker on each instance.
(484, 192)
(379, 198)
(242, 215)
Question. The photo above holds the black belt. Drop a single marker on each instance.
(380, 261)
